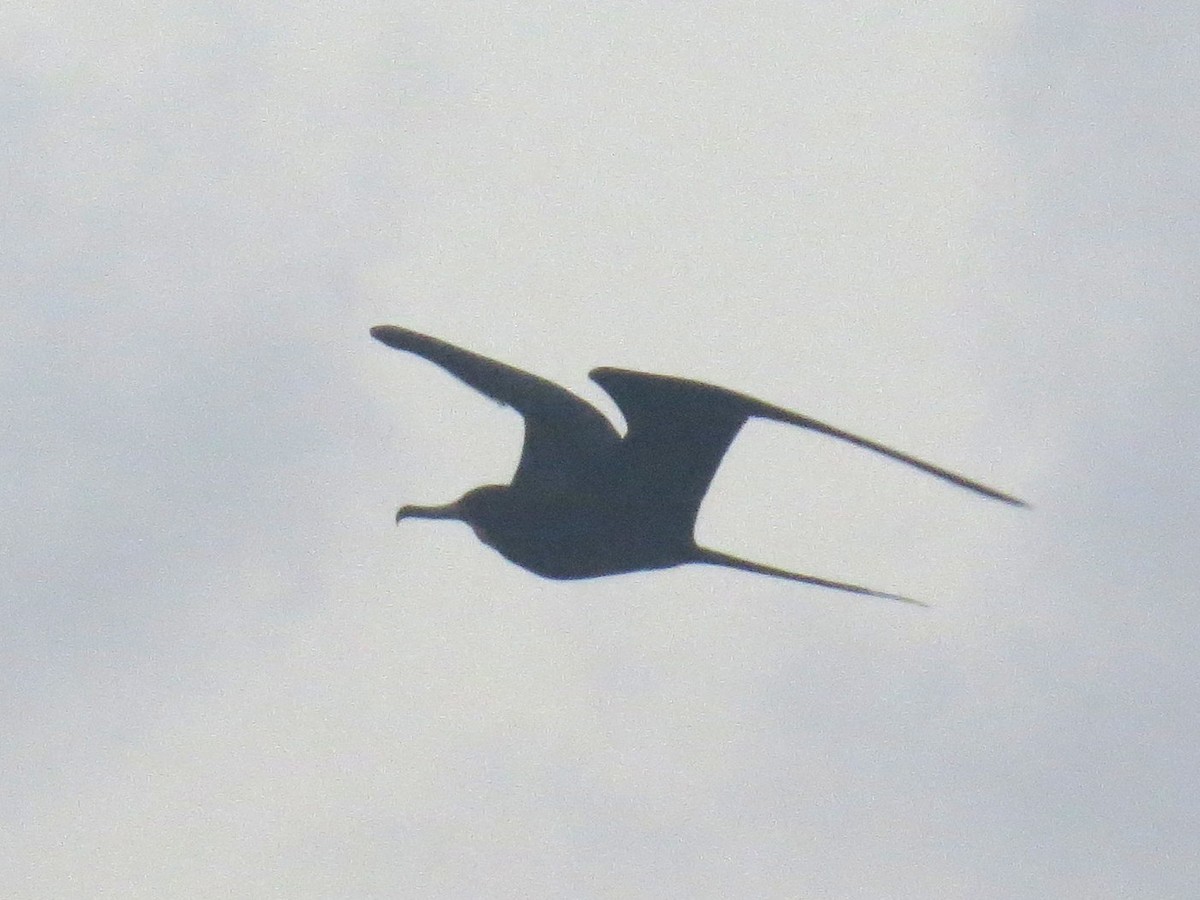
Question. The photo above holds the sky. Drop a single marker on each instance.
(964, 229)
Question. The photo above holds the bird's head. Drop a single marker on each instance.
(445, 511)
(471, 508)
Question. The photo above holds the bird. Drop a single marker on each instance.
(586, 501)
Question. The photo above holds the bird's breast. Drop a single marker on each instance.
(580, 537)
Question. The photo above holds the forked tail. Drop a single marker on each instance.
(715, 558)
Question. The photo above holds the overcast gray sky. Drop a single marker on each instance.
(966, 229)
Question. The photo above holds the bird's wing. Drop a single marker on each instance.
(689, 424)
(778, 414)
(678, 431)
(565, 437)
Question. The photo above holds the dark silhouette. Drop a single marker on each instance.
(585, 501)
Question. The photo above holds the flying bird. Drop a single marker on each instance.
(586, 501)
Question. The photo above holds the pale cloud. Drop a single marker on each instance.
(963, 231)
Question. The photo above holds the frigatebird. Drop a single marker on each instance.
(586, 501)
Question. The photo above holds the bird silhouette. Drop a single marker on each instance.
(586, 501)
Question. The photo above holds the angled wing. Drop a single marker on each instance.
(686, 426)
(567, 440)
(767, 411)
(713, 558)
(678, 431)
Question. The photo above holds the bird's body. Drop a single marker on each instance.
(586, 501)
(566, 534)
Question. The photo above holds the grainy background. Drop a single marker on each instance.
(966, 229)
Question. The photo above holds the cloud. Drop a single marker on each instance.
(228, 674)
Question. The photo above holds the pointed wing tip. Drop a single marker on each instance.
(881, 595)
(1000, 495)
